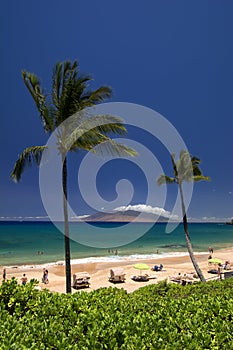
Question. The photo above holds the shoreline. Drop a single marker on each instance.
(99, 270)
(104, 259)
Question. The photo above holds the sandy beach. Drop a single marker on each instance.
(99, 272)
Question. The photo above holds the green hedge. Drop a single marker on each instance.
(160, 316)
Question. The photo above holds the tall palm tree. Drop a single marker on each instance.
(70, 95)
(185, 169)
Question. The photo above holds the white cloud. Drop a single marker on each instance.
(147, 209)
(214, 219)
(81, 217)
(23, 217)
(35, 217)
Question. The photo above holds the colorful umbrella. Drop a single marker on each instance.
(215, 261)
(141, 266)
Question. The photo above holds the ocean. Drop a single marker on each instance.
(36, 243)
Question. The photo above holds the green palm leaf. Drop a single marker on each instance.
(113, 149)
(174, 165)
(164, 179)
(27, 158)
(201, 178)
(32, 83)
(91, 130)
(93, 97)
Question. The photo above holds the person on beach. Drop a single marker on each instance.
(24, 279)
(219, 271)
(226, 264)
(4, 274)
(211, 250)
(45, 278)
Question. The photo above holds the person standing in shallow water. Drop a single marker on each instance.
(211, 250)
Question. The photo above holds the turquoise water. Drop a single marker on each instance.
(23, 242)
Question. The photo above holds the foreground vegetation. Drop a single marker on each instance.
(160, 316)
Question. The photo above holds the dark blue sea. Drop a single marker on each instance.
(23, 243)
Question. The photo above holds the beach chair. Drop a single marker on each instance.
(81, 280)
(228, 274)
(140, 278)
(176, 279)
(117, 275)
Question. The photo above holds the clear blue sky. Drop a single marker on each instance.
(175, 57)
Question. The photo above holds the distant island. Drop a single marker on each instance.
(125, 216)
(229, 222)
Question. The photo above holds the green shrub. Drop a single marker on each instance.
(159, 316)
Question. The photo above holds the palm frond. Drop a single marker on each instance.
(27, 158)
(69, 91)
(70, 98)
(57, 84)
(32, 83)
(91, 98)
(112, 128)
(196, 171)
(187, 167)
(174, 165)
(105, 123)
(70, 71)
(184, 166)
(201, 178)
(90, 129)
(164, 179)
(110, 148)
(88, 141)
(195, 160)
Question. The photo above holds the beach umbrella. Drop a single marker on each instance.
(141, 266)
(215, 261)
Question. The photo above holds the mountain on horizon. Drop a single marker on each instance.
(125, 216)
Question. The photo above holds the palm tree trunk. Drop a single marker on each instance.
(187, 237)
(66, 226)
